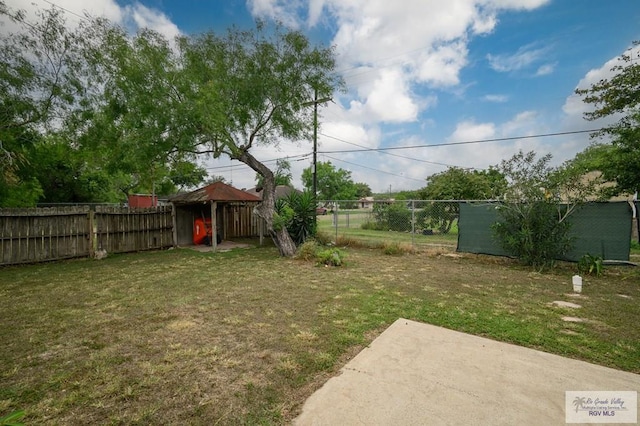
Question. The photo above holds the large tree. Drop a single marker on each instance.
(250, 88)
(140, 123)
(461, 184)
(40, 66)
(619, 96)
(143, 106)
(456, 184)
(332, 183)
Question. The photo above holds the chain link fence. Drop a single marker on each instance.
(415, 223)
(421, 224)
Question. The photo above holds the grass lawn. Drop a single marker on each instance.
(244, 337)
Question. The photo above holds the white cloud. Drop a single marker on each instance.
(132, 16)
(545, 69)
(471, 131)
(496, 98)
(523, 124)
(524, 57)
(144, 17)
(387, 50)
(390, 99)
(278, 10)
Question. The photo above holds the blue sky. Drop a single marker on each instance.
(422, 73)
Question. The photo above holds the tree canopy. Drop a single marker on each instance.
(139, 111)
(461, 184)
(281, 176)
(619, 96)
(332, 183)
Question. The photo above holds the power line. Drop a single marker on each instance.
(391, 154)
(513, 138)
(375, 170)
(66, 10)
(299, 157)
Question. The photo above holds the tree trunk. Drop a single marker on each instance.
(266, 209)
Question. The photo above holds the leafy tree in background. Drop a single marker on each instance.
(362, 190)
(282, 175)
(139, 124)
(332, 183)
(39, 88)
(456, 184)
(461, 184)
(619, 95)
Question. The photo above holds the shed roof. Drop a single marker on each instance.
(217, 191)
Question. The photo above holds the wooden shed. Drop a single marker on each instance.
(229, 210)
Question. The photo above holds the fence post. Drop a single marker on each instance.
(413, 223)
(93, 232)
(335, 215)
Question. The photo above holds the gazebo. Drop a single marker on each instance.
(228, 210)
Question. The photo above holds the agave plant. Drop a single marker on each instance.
(298, 210)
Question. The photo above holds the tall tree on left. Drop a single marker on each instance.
(40, 65)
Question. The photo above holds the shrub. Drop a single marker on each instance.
(395, 248)
(538, 200)
(308, 250)
(331, 257)
(298, 213)
(440, 216)
(589, 264)
(533, 233)
(373, 226)
(392, 217)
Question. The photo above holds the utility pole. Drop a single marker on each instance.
(315, 147)
(315, 103)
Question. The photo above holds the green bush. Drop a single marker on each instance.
(533, 233)
(298, 213)
(392, 217)
(373, 226)
(589, 264)
(308, 250)
(331, 257)
(439, 215)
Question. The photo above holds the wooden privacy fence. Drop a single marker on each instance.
(239, 221)
(43, 234)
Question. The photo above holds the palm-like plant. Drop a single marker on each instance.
(298, 210)
(579, 402)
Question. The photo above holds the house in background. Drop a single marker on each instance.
(365, 203)
(228, 210)
(282, 191)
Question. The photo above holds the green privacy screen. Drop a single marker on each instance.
(599, 229)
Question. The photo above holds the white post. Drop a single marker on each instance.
(214, 225)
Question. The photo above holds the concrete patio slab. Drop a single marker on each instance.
(419, 374)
